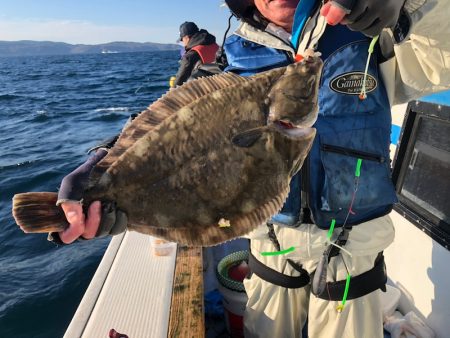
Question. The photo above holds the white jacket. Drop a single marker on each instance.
(418, 66)
(422, 62)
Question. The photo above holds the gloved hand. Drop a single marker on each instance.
(73, 185)
(367, 16)
(102, 218)
(335, 11)
(80, 226)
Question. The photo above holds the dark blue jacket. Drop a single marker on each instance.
(348, 130)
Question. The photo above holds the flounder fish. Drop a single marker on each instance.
(207, 162)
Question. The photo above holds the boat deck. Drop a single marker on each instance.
(143, 295)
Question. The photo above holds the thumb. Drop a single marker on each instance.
(325, 9)
(333, 13)
(75, 216)
(73, 211)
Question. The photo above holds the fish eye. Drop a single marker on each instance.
(301, 93)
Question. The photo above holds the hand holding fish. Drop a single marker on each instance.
(367, 16)
(79, 224)
(334, 11)
(69, 198)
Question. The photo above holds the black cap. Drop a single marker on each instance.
(240, 8)
(188, 28)
(245, 10)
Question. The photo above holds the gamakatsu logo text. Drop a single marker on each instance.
(351, 83)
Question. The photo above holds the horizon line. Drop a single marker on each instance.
(92, 44)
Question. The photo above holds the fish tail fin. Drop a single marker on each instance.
(37, 212)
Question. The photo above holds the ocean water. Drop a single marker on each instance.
(52, 110)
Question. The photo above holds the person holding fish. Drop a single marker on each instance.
(321, 257)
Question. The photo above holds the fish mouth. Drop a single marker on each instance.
(291, 130)
(288, 123)
(285, 124)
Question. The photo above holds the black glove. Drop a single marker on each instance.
(371, 16)
(113, 222)
(346, 5)
(73, 185)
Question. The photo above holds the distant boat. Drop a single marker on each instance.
(106, 51)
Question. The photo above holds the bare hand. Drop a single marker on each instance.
(333, 13)
(79, 224)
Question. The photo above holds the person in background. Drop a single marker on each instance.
(336, 215)
(201, 48)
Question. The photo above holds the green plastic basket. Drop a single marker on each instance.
(225, 264)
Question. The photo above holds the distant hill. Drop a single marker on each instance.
(26, 47)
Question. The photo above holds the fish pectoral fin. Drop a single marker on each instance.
(248, 138)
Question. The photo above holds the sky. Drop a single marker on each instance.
(101, 21)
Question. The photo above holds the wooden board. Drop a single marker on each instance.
(186, 310)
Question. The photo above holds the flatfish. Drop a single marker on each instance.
(207, 162)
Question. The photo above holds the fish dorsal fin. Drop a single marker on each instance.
(187, 93)
(158, 111)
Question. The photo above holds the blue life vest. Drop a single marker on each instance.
(348, 129)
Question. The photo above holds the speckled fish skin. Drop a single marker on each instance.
(186, 181)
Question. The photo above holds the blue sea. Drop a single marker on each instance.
(52, 110)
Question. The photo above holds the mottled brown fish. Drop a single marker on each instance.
(207, 162)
